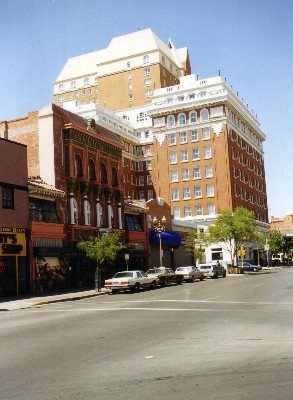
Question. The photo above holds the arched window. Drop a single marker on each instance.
(78, 166)
(204, 115)
(171, 121)
(114, 177)
(74, 212)
(91, 170)
(192, 117)
(87, 212)
(104, 178)
(146, 59)
(182, 119)
(61, 87)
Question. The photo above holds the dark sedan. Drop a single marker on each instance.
(250, 267)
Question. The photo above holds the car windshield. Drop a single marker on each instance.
(124, 275)
(183, 269)
(153, 271)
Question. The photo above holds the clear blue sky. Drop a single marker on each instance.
(250, 41)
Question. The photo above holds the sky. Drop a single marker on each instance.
(249, 41)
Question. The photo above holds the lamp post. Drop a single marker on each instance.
(160, 227)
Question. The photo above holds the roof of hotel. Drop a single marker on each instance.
(139, 42)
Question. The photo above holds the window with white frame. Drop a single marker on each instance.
(196, 173)
(173, 157)
(130, 97)
(182, 119)
(192, 117)
(149, 180)
(185, 174)
(147, 71)
(180, 99)
(194, 135)
(73, 84)
(199, 209)
(147, 133)
(150, 195)
(147, 82)
(204, 115)
(129, 75)
(128, 64)
(148, 93)
(171, 67)
(208, 171)
(171, 121)
(87, 213)
(207, 150)
(191, 96)
(172, 139)
(174, 176)
(184, 155)
(74, 212)
(206, 135)
(139, 151)
(129, 86)
(175, 194)
(176, 212)
(61, 98)
(86, 81)
(195, 154)
(164, 72)
(83, 93)
(140, 165)
(187, 211)
(210, 191)
(141, 181)
(183, 137)
(61, 88)
(197, 192)
(211, 209)
(186, 193)
(146, 59)
(148, 165)
(148, 150)
(142, 116)
(141, 195)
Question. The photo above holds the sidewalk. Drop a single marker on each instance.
(21, 302)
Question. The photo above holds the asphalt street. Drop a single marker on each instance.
(229, 338)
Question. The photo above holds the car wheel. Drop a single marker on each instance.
(201, 278)
(224, 274)
(192, 279)
(136, 288)
(216, 276)
(115, 291)
(153, 285)
(255, 269)
(179, 281)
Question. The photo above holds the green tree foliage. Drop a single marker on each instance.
(102, 249)
(195, 243)
(234, 229)
(277, 242)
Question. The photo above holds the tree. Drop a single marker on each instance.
(195, 243)
(101, 249)
(277, 242)
(234, 229)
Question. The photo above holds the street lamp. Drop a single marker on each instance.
(160, 227)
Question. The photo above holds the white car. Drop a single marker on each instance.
(129, 280)
(190, 273)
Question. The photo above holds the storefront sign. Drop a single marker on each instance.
(12, 242)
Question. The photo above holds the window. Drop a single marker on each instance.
(163, 60)
(183, 137)
(173, 157)
(141, 195)
(61, 88)
(148, 150)
(172, 139)
(196, 173)
(91, 170)
(182, 119)
(197, 192)
(128, 64)
(180, 99)
(174, 176)
(146, 59)
(133, 223)
(186, 193)
(210, 191)
(207, 152)
(42, 210)
(61, 99)
(195, 154)
(139, 151)
(192, 117)
(129, 86)
(87, 213)
(199, 210)
(171, 67)
(148, 165)
(130, 97)
(175, 194)
(211, 209)
(147, 71)
(129, 75)
(140, 166)
(149, 180)
(171, 121)
(73, 84)
(86, 82)
(141, 180)
(187, 211)
(150, 195)
(209, 171)
(185, 174)
(147, 82)
(194, 135)
(148, 93)
(206, 134)
(78, 166)
(83, 93)
(114, 177)
(184, 155)
(164, 72)
(176, 212)
(204, 115)
(103, 173)
(74, 212)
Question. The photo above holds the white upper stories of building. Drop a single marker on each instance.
(213, 93)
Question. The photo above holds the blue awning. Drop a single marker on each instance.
(172, 239)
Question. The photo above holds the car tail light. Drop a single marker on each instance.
(125, 283)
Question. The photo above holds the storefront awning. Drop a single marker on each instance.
(171, 239)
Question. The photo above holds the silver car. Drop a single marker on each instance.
(189, 273)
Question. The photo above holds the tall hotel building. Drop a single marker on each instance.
(193, 148)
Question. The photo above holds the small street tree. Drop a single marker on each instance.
(195, 243)
(101, 249)
(234, 229)
(277, 241)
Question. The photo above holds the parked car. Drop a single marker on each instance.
(190, 273)
(249, 267)
(164, 276)
(130, 280)
(212, 270)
